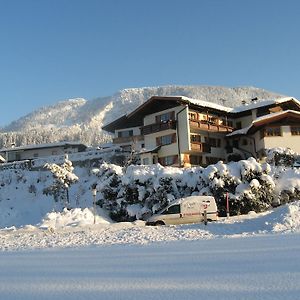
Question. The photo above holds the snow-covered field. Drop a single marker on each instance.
(257, 267)
(248, 257)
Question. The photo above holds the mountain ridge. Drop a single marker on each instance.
(79, 119)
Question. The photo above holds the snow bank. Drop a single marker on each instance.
(290, 218)
(72, 218)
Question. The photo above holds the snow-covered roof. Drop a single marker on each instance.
(42, 146)
(241, 108)
(203, 103)
(262, 103)
(152, 150)
(241, 131)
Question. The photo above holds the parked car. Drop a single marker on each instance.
(193, 209)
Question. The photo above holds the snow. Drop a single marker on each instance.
(261, 103)
(76, 228)
(206, 104)
(261, 267)
(66, 256)
(62, 254)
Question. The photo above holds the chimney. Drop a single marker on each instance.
(254, 100)
(244, 102)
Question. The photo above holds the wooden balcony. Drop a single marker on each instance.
(200, 147)
(128, 139)
(156, 127)
(209, 126)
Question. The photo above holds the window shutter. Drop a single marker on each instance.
(172, 115)
(175, 159)
(161, 160)
(174, 138)
(158, 141)
(157, 119)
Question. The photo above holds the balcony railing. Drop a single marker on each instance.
(200, 147)
(128, 139)
(210, 126)
(156, 127)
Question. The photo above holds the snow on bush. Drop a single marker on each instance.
(281, 156)
(136, 192)
(63, 177)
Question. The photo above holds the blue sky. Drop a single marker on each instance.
(57, 49)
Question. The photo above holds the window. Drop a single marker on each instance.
(195, 138)
(212, 160)
(193, 116)
(213, 120)
(213, 142)
(165, 117)
(168, 160)
(244, 142)
(146, 161)
(295, 130)
(195, 160)
(126, 133)
(166, 139)
(174, 209)
(229, 123)
(238, 125)
(270, 131)
(226, 122)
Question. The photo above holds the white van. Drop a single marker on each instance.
(193, 209)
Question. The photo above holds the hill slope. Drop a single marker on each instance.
(79, 119)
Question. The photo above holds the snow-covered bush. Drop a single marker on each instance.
(281, 156)
(138, 191)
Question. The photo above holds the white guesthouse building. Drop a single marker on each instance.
(181, 131)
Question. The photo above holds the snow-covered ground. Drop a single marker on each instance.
(259, 267)
(256, 256)
(76, 228)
